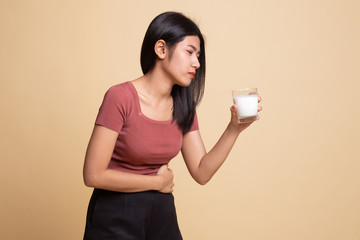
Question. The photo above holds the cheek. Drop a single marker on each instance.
(180, 61)
(179, 56)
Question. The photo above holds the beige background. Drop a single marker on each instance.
(292, 175)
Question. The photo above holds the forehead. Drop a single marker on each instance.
(193, 41)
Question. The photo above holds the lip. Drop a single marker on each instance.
(192, 74)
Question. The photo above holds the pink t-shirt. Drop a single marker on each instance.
(143, 144)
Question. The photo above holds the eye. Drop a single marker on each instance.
(190, 52)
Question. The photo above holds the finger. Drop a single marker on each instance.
(259, 108)
(163, 166)
(233, 110)
(259, 99)
(234, 116)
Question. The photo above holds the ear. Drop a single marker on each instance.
(160, 49)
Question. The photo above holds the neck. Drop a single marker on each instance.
(156, 84)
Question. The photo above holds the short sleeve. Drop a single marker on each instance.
(112, 112)
(195, 125)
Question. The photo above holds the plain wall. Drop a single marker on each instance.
(292, 175)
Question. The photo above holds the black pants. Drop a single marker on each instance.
(147, 215)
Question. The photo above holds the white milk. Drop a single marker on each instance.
(247, 105)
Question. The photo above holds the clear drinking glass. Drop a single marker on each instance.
(246, 101)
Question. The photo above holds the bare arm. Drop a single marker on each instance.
(202, 165)
(97, 175)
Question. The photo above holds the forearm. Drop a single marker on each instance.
(202, 165)
(213, 160)
(121, 181)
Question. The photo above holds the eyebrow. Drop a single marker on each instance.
(193, 47)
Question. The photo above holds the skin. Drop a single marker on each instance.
(154, 90)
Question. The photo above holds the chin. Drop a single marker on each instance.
(184, 83)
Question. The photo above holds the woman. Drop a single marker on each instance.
(144, 123)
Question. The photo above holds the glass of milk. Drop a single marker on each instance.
(246, 101)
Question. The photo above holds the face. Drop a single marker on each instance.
(183, 62)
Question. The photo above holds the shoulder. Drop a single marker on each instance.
(121, 88)
(117, 104)
(122, 92)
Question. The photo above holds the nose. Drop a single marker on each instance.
(196, 63)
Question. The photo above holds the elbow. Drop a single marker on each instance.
(90, 180)
(202, 181)
(201, 178)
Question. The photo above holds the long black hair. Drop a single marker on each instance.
(173, 27)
